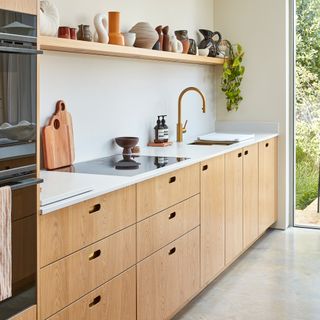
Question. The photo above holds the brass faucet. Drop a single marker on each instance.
(182, 129)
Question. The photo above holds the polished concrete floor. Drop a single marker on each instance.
(277, 279)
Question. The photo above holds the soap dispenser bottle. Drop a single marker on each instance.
(165, 129)
(159, 132)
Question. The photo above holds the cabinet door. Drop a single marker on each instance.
(212, 218)
(233, 190)
(168, 278)
(26, 6)
(250, 195)
(268, 183)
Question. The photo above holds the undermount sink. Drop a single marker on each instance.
(212, 143)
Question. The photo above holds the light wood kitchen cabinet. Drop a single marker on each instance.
(268, 183)
(157, 194)
(212, 218)
(233, 201)
(29, 314)
(70, 229)
(115, 300)
(250, 194)
(164, 227)
(26, 6)
(168, 278)
(68, 279)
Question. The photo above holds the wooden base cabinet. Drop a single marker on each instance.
(169, 278)
(250, 195)
(233, 200)
(268, 184)
(29, 314)
(212, 219)
(115, 300)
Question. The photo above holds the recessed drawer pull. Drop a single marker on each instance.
(205, 167)
(267, 145)
(172, 251)
(95, 301)
(172, 179)
(95, 255)
(172, 215)
(246, 152)
(239, 155)
(95, 208)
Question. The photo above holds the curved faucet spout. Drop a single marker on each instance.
(182, 129)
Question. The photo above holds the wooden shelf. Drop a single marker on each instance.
(94, 48)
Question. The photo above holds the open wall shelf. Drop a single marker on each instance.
(94, 48)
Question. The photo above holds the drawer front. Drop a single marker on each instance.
(116, 300)
(164, 191)
(70, 229)
(168, 278)
(166, 226)
(68, 279)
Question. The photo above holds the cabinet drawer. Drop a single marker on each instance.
(168, 278)
(164, 191)
(70, 229)
(116, 300)
(68, 279)
(166, 226)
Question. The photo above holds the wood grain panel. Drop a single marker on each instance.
(268, 184)
(164, 191)
(23, 203)
(212, 218)
(24, 256)
(166, 226)
(70, 229)
(26, 6)
(115, 300)
(29, 314)
(68, 279)
(233, 198)
(250, 194)
(168, 278)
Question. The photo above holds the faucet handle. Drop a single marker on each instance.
(184, 129)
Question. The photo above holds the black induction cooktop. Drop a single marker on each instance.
(122, 165)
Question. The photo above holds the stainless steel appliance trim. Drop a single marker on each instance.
(26, 183)
(20, 170)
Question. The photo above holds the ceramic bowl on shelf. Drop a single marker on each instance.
(127, 143)
(129, 39)
(204, 52)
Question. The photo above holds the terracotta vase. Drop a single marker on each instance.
(182, 35)
(115, 36)
(159, 43)
(146, 35)
(166, 39)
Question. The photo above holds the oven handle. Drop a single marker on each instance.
(20, 50)
(26, 183)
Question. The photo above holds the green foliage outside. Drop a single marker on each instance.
(307, 101)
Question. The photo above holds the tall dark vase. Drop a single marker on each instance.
(193, 47)
(209, 42)
(166, 39)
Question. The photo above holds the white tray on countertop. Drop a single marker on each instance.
(222, 137)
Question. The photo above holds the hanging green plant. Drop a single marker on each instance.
(233, 72)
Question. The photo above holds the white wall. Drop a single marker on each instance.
(262, 28)
(111, 97)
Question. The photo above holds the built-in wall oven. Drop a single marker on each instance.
(18, 147)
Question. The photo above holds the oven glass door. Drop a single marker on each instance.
(17, 105)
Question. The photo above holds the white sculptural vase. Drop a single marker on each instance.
(101, 25)
(175, 44)
(49, 18)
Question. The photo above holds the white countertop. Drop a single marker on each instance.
(61, 189)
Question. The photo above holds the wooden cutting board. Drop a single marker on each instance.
(58, 150)
(65, 117)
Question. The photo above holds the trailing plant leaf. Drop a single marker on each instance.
(232, 76)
